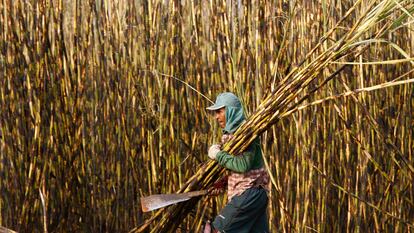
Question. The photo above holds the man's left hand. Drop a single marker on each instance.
(213, 151)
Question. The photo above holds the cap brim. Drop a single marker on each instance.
(215, 107)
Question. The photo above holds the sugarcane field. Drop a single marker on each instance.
(207, 116)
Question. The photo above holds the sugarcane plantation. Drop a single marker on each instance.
(212, 116)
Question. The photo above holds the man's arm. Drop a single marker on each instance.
(241, 163)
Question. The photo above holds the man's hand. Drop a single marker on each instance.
(213, 151)
(219, 187)
(215, 191)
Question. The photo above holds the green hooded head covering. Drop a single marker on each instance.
(234, 111)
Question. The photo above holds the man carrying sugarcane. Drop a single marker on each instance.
(247, 182)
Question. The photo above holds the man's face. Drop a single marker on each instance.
(221, 117)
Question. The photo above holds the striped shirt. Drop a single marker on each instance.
(240, 182)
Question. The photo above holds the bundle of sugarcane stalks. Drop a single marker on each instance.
(378, 18)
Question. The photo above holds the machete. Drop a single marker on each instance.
(157, 201)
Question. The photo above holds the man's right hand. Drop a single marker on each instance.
(215, 191)
(219, 187)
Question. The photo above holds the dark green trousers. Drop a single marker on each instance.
(245, 213)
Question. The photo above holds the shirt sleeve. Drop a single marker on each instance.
(241, 163)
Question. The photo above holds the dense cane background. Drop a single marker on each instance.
(102, 102)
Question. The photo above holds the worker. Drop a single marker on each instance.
(247, 181)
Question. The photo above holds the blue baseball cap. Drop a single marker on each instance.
(226, 99)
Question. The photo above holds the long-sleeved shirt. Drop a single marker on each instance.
(246, 169)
